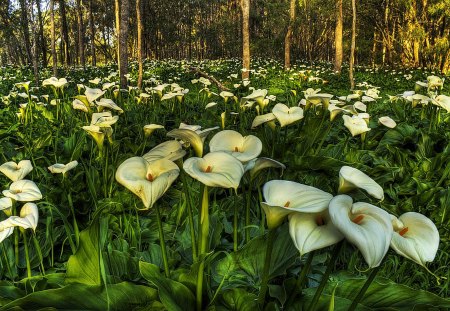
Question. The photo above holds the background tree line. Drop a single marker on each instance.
(388, 32)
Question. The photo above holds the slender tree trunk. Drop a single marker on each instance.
(35, 46)
(64, 32)
(352, 50)
(80, 33)
(288, 38)
(25, 29)
(43, 45)
(92, 28)
(139, 41)
(53, 38)
(117, 16)
(123, 39)
(338, 37)
(245, 7)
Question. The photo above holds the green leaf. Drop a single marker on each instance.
(239, 300)
(174, 295)
(84, 266)
(122, 296)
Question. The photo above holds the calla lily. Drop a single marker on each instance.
(435, 82)
(23, 190)
(16, 171)
(95, 81)
(360, 106)
(263, 119)
(442, 101)
(103, 119)
(286, 115)
(355, 125)
(170, 150)
(93, 94)
(189, 136)
(312, 231)
(6, 205)
(148, 180)
(284, 197)
(318, 98)
(210, 105)
(108, 103)
(6, 232)
(149, 128)
(415, 237)
(387, 121)
(257, 95)
(216, 169)
(29, 217)
(225, 95)
(55, 82)
(79, 105)
(257, 165)
(243, 148)
(62, 168)
(96, 133)
(351, 178)
(364, 225)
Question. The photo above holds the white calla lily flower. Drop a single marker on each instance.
(263, 119)
(93, 94)
(366, 226)
(5, 232)
(287, 115)
(351, 178)
(243, 148)
(283, 197)
(55, 82)
(442, 101)
(150, 128)
(170, 150)
(16, 171)
(23, 190)
(59, 168)
(79, 105)
(312, 231)
(387, 121)
(148, 180)
(109, 103)
(103, 119)
(355, 125)
(6, 205)
(216, 169)
(415, 237)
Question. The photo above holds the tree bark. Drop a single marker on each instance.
(352, 50)
(64, 32)
(25, 29)
(123, 39)
(139, 41)
(288, 38)
(245, 7)
(80, 33)
(338, 37)
(42, 43)
(117, 16)
(53, 38)
(92, 28)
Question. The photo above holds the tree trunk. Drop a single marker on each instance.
(123, 39)
(139, 41)
(338, 37)
(288, 38)
(42, 43)
(80, 33)
(352, 50)
(35, 50)
(92, 28)
(25, 29)
(64, 32)
(117, 16)
(53, 38)
(245, 7)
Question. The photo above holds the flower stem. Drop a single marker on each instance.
(330, 266)
(266, 269)
(247, 212)
(301, 279)
(162, 242)
(27, 254)
(363, 289)
(190, 216)
(39, 252)
(235, 227)
(203, 245)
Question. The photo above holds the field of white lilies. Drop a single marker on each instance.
(287, 191)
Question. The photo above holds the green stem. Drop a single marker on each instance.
(301, 279)
(7, 261)
(27, 254)
(323, 139)
(247, 212)
(330, 266)
(39, 252)
(266, 269)
(235, 228)
(190, 216)
(363, 289)
(76, 231)
(203, 245)
(162, 242)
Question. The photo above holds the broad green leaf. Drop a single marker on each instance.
(239, 300)
(122, 296)
(174, 295)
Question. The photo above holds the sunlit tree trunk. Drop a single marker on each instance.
(338, 37)
(92, 29)
(25, 28)
(288, 38)
(64, 32)
(245, 7)
(139, 41)
(53, 38)
(80, 33)
(352, 50)
(123, 39)
(42, 44)
(117, 16)
(35, 46)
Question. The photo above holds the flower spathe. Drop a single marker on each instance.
(243, 148)
(16, 171)
(415, 237)
(312, 231)
(23, 190)
(216, 169)
(355, 125)
(148, 180)
(59, 168)
(29, 217)
(387, 121)
(170, 150)
(366, 226)
(287, 115)
(283, 197)
(351, 178)
(6, 205)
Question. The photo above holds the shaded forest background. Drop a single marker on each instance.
(389, 32)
